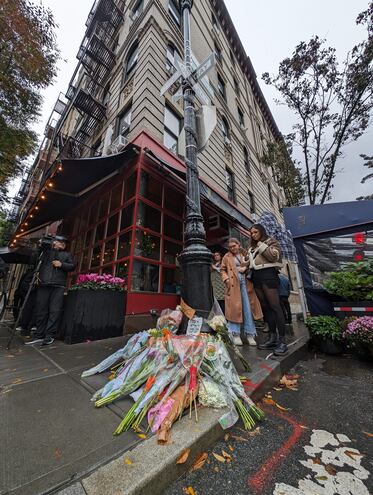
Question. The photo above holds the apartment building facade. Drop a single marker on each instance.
(110, 171)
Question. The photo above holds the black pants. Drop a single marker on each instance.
(28, 315)
(269, 299)
(285, 305)
(49, 303)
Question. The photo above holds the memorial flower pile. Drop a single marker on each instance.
(167, 373)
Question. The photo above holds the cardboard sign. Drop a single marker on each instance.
(194, 326)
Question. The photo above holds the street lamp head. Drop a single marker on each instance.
(186, 4)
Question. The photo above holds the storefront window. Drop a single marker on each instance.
(150, 188)
(116, 197)
(83, 221)
(96, 256)
(124, 245)
(109, 250)
(171, 281)
(107, 269)
(148, 217)
(88, 238)
(85, 260)
(121, 270)
(172, 228)
(103, 206)
(130, 187)
(100, 232)
(145, 277)
(126, 217)
(170, 252)
(112, 225)
(93, 214)
(174, 201)
(147, 245)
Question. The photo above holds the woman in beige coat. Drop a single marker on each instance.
(241, 303)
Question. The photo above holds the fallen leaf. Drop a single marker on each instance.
(218, 457)
(231, 448)
(216, 469)
(322, 478)
(368, 434)
(226, 456)
(128, 462)
(189, 491)
(316, 461)
(45, 370)
(351, 454)
(255, 432)
(277, 389)
(303, 427)
(289, 382)
(239, 439)
(57, 453)
(282, 408)
(226, 437)
(268, 400)
(183, 456)
(200, 461)
(330, 470)
(141, 435)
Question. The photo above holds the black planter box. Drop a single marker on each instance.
(345, 309)
(93, 315)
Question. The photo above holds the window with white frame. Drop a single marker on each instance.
(137, 9)
(225, 129)
(251, 202)
(174, 11)
(229, 179)
(171, 55)
(124, 122)
(221, 87)
(132, 59)
(246, 161)
(241, 118)
(218, 53)
(172, 128)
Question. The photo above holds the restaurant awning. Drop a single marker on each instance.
(20, 255)
(207, 193)
(69, 187)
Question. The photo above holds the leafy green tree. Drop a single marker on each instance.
(332, 103)
(28, 56)
(277, 156)
(368, 163)
(5, 229)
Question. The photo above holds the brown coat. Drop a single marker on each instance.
(233, 303)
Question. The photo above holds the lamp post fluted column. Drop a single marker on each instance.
(195, 258)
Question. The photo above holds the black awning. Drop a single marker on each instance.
(208, 194)
(21, 255)
(77, 178)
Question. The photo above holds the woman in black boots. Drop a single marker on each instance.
(264, 259)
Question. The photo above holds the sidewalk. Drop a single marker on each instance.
(52, 436)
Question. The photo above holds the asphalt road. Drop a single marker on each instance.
(320, 446)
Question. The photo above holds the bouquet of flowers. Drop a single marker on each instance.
(94, 281)
(170, 320)
(218, 323)
(359, 332)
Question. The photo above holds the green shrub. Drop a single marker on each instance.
(354, 282)
(325, 327)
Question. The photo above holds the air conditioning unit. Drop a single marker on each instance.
(118, 145)
(124, 128)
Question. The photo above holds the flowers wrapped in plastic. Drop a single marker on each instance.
(170, 319)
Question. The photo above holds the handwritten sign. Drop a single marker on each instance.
(194, 326)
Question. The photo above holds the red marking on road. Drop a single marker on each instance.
(261, 478)
(249, 383)
(266, 367)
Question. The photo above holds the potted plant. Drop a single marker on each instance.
(95, 308)
(359, 336)
(355, 284)
(326, 333)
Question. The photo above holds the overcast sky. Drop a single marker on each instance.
(269, 32)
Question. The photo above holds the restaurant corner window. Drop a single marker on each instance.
(145, 277)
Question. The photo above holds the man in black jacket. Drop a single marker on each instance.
(56, 264)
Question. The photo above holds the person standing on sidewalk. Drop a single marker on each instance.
(56, 264)
(216, 281)
(284, 291)
(241, 303)
(265, 259)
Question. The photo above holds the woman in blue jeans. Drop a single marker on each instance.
(241, 304)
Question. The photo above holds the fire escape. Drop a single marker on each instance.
(97, 56)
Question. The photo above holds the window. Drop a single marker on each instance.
(236, 87)
(124, 122)
(145, 277)
(229, 179)
(171, 55)
(116, 197)
(130, 187)
(150, 189)
(214, 21)
(126, 217)
(147, 245)
(137, 9)
(148, 217)
(171, 252)
(132, 58)
(270, 193)
(231, 55)
(171, 281)
(109, 251)
(174, 201)
(124, 245)
(106, 95)
(279, 205)
(251, 202)
(112, 225)
(241, 118)
(172, 127)
(218, 54)
(221, 87)
(225, 129)
(172, 228)
(246, 161)
(174, 11)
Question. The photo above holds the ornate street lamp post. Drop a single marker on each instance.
(195, 259)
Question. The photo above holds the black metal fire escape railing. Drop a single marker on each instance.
(97, 56)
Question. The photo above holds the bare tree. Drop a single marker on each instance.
(368, 162)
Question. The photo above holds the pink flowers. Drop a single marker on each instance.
(94, 281)
(360, 330)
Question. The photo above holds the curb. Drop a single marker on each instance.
(152, 467)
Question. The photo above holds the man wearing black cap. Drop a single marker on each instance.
(56, 264)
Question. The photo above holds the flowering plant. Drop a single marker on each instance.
(94, 281)
(360, 331)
